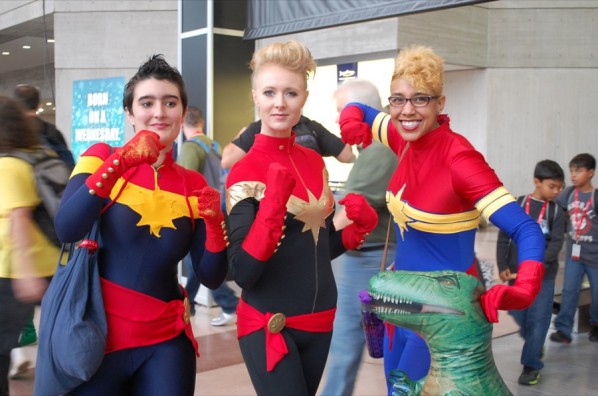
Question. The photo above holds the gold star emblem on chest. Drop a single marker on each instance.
(313, 212)
(156, 207)
(396, 207)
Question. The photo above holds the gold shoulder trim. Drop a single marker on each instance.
(380, 128)
(243, 190)
(87, 164)
(494, 201)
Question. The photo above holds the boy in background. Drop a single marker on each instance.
(535, 320)
(581, 256)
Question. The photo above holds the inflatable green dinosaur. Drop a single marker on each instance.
(444, 308)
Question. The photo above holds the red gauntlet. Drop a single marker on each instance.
(143, 148)
(353, 129)
(208, 203)
(364, 219)
(519, 296)
(267, 229)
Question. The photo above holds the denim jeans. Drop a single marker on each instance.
(533, 325)
(224, 296)
(574, 270)
(353, 272)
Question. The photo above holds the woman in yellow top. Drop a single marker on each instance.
(27, 258)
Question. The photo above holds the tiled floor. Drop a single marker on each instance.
(570, 370)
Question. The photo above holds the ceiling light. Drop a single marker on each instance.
(5, 53)
(48, 103)
(50, 40)
(40, 110)
(26, 47)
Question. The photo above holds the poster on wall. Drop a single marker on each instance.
(345, 71)
(98, 115)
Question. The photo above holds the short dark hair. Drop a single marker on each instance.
(584, 160)
(194, 116)
(17, 130)
(155, 67)
(28, 95)
(549, 169)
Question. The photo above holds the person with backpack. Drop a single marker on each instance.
(581, 254)
(534, 321)
(29, 96)
(202, 154)
(27, 257)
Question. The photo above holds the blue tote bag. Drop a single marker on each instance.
(72, 330)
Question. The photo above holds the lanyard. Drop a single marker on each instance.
(578, 219)
(542, 211)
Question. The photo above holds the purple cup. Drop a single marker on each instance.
(373, 327)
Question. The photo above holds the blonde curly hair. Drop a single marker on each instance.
(422, 68)
(291, 55)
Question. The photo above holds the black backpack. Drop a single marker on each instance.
(51, 176)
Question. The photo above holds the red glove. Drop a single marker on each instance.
(208, 203)
(267, 229)
(519, 296)
(143, 148)
(353, 129)
(364, 219)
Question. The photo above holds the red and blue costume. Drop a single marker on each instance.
(437, 195)
(152, 222)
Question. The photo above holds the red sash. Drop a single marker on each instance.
(136, 319)
(250, 320)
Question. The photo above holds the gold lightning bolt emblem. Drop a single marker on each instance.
(397, 208)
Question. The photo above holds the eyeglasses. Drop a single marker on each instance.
(416, 101)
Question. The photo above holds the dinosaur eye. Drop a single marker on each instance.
(447, 282)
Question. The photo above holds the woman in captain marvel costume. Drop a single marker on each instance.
(282, 238)
(437, 194)
(158, 211)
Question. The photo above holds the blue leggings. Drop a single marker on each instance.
(409, 354)
(167, 368)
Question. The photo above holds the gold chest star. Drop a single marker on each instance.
(397, 208)
(157, 208)
(313, 212)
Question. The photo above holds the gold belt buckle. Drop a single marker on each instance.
(187, 313)
(276, 323)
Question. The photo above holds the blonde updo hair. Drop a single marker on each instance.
(291, 55)
(422, 68)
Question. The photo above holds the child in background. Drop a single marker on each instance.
(535, 320)
(581, 256)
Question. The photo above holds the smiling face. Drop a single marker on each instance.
(157, 107)
(414, 122)
(279, 95)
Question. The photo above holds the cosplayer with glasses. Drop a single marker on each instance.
(158, 211)
(282, 237)
(437, 194)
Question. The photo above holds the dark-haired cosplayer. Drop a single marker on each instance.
(158, 211)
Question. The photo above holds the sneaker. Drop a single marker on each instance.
(594, 334)
(529, 376)
(19, 363)
(561, 337)
(224, 319)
